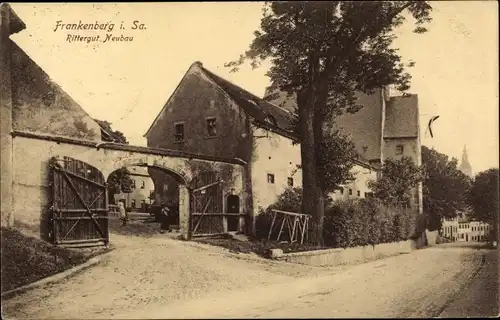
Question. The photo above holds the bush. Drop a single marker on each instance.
(366, 222)
(290, 200)
(349, 223)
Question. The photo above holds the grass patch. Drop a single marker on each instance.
(259, 247)
(27, 259)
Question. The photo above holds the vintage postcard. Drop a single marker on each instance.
(283, 159)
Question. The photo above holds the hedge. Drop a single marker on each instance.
(351, 223)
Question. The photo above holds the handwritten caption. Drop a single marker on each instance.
(109, 33)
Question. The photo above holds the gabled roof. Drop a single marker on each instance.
(265, 114)
(401, 117)
(256, 107)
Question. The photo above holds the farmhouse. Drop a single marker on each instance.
(209, 115)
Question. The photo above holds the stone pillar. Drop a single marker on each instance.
(6, 200)
(184, 212)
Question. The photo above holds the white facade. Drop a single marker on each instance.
(275, 164)
(275, 167)
(358, 188)
(142, 186)
(457, 229)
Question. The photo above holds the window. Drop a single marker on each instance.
(133, 184)
(359, 193)
(143, 184)
(341, 190)
(399, 150)
(211, 127)
(290, 182)
(179, 132)
(270, 178)
(350, 192)
(132, 203)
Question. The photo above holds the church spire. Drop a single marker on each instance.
(465, 166)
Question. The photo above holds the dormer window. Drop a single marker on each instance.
(270, 119)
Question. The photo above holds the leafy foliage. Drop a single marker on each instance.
(396, 180)
(367, 222)
(335, 161)
(484, 197)
(445, 187)
(116, 136)
(323, 52)
(349, 223)
(119, 181)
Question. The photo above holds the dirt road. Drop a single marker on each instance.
(420, 284)
(149, 272)
(162, 278)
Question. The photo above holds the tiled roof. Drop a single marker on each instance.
(401, 120)
(255, 106)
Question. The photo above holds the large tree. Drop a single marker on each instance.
(445, 187)
(484, 198)
(323, 52)
(119, 180)
(396, 181)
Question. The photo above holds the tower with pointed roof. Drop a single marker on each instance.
(465, 166)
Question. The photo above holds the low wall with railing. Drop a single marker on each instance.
(333, 257)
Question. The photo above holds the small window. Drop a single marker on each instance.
(179, 132)
(399, 150)
(359, 193)
(143, 184)
(350, 192)
(211, 127)
(132, 203)
(290, 182)
(270, 178)
(133, 184)
(341, 190)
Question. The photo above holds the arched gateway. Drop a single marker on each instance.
(69, 194)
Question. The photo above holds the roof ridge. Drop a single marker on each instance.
(239, 87)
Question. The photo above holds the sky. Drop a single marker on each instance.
(128, 83)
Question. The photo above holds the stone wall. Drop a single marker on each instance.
(31, 169)
(334, 257)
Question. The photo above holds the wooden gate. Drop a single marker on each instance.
(207, 217)
(79, 203)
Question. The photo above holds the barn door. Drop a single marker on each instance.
(206, 205)
(79, 203)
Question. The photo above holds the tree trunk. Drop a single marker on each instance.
(312, 198)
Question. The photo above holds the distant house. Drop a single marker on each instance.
(142, 186)
(462, 229)
(207, 114)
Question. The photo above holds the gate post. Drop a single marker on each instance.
(184, 212)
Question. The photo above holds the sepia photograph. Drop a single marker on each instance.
(246, 160)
